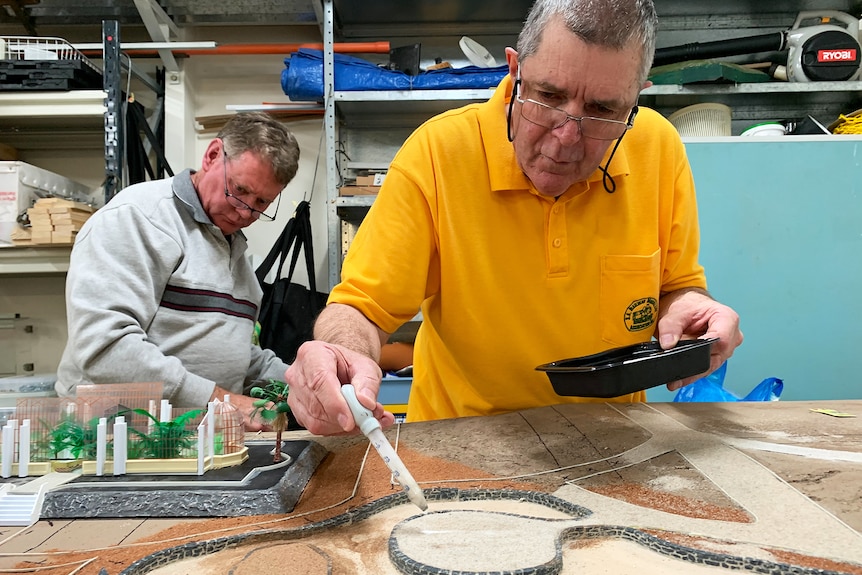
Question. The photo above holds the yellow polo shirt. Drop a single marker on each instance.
(507, 279)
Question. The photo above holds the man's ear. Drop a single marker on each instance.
(214, 150)
(512, 61)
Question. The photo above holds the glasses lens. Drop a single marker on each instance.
(600, 129)
(552, 118)
(271, 210)
(241, 205)
(265, 216)
(544, 116)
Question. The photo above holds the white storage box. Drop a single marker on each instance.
(21, 184)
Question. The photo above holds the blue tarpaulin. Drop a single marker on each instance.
(711, 389)
(302, 78)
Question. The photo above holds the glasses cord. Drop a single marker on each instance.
(606, 177)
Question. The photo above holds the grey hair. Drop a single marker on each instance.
(265, 136)
(608, 23)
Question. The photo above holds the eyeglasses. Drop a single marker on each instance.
(241, 205)
(553, 118)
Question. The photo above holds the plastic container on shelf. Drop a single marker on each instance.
(21, 184)
(476, 53)
(702, 120)
(38, 383)
(767, 129)
(26, 386)
(42, 48)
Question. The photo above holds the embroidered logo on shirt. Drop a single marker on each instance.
(641, 314)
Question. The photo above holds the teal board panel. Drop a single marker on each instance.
(394, 390)
(781, 241)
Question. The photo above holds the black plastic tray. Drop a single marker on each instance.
(624, 370)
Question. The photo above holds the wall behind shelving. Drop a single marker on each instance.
(211, 83)
(39, 302)
(781, 238)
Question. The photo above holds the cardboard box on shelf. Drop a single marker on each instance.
(358, 190)
(371, 180)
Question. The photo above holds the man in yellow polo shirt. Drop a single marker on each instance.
(555, 220)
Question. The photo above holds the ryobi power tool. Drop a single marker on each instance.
(821, 46)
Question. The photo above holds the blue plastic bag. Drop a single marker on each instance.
(302, 77)
(711, 389)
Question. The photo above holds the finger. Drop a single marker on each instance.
(253, 426)
(315, 396)
(715, 362)
(668, 340)
(386, 418)
(674, 385)
(680, 383)
(314, 418)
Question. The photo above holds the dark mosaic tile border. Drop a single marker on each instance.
(409, 567)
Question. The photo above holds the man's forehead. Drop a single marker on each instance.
(593, 90)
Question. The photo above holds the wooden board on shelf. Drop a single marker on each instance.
(358, 190)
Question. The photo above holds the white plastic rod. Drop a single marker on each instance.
(24, 449)
(370, 427)
(121, 438)
(8, 450)
(101, 445)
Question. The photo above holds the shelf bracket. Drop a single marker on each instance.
(114, 109)
(160, 27)
(335, 255)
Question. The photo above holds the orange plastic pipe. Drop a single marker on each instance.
(257, 49)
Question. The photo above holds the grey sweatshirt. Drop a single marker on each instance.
(155, 292)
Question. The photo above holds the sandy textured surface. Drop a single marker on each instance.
(774, 482)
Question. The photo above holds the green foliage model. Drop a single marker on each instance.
(70, 439)
(168, 439)
(271, 407)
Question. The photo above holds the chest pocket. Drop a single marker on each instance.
(629, 297)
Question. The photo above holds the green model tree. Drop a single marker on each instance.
(271, 407)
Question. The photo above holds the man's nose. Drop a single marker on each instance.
(569, 131)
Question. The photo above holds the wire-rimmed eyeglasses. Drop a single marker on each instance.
(552, 118)
(590, 127)
(241, 205)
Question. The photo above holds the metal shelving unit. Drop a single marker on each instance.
(68, 119)
(370, 125)
(65, 118)
(34, 260)
(62, 119)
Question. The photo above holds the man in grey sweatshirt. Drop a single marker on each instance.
(159, 287)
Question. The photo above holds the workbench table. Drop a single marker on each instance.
(628, 488)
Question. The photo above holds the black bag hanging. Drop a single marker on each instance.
(288, 309)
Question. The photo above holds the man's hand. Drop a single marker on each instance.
(691, 314)
(315, 380)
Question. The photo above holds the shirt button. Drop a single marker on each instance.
(556, 209)
(558, 242)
